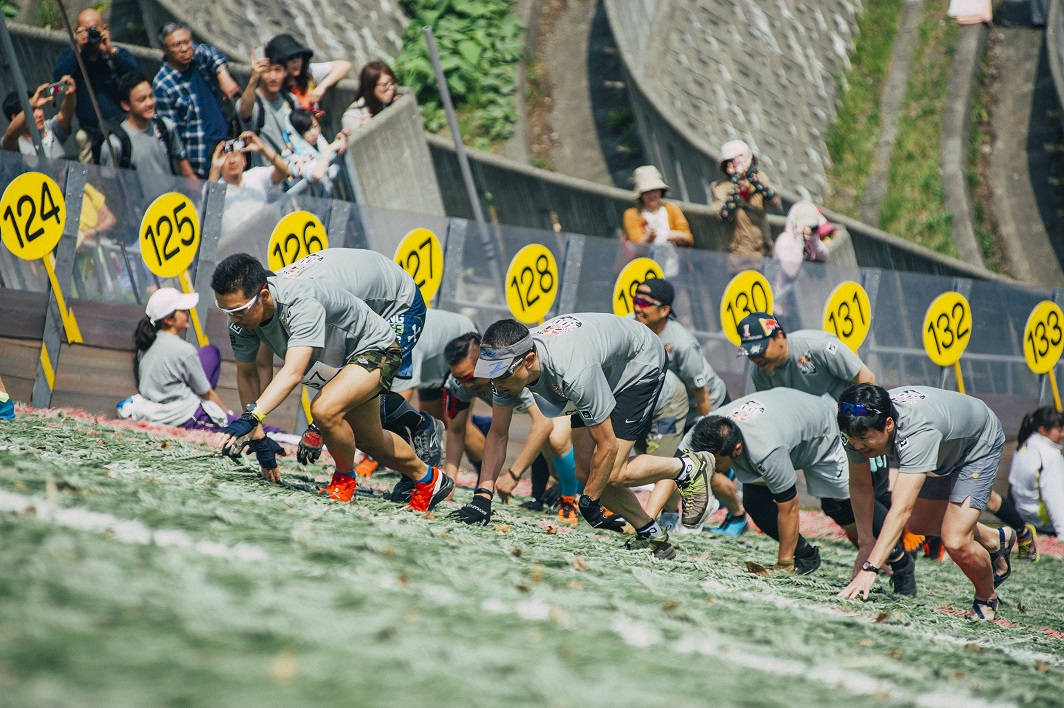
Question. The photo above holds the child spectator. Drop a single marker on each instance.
(805, 237)
(655, 223)
(309, 155)
(306, 81)
(175, 380)
(54, 131)
(258, 186)
(377, 89)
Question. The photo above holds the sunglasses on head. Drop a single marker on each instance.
(243, 308)
(640, 301)
(857, 409)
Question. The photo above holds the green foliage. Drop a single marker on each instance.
(479, 42)
(48, 15)
(9, 8)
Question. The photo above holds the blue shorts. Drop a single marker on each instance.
(408, 326)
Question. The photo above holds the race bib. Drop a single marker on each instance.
(319, 374)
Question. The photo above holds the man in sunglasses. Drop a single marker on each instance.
(653, 306)
(330, 340)
(947, 446)
(765, 438)
(606, 373)
(467, 432)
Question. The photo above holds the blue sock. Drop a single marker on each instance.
(428, 476)
(565, 467)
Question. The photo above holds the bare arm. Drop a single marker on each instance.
(212, 396)
(456, 433)
(338, 70)
(185, 168)
(495, 445)
(226, 82)
(541, 430)
(865, 375)
(296, 361)
(602, 461)
(248, 386)
(247, 98)
(702, 402)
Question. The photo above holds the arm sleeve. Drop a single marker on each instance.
(838, 359)
(677, 220)
(1051, 489)
(319, 70)
(633, 225)
(245, 344)
(306, 323)
(777, 471)
(590, 392)
(918, 453)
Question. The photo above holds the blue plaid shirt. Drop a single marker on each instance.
(175, 99)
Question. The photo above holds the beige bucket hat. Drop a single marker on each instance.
(648, 178)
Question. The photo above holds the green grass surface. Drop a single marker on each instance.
(223, 590)
(852, 139)
(913, 205)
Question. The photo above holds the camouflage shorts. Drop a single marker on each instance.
(387, 361)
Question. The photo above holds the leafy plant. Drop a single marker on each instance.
(9, 8)
(479, 42)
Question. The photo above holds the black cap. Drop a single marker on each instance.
(659, 289)
(284, 47)
(755, 330)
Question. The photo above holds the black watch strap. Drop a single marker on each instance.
(483, 490)
(868, 566)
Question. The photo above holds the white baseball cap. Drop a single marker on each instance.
(166, 301)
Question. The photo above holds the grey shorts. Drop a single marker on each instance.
(974, 480)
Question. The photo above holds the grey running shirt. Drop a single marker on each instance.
(585, 358)
(375, 279)
(938, 431)
(314, 313)
(171, 374)
(687, 361)
(148, 152)
(817, 363)
(783, 430)
(430, 368)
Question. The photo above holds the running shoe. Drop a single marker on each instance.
(341, 488)
(732, 525)
(911, 541)
(567, 513)
(659, 545)
(903, 578)
(427, 495)
(1027, 547)
(695, 490)
(804, 565)
(534, 504)
(402, 490)
(427, 440)
(367, 467)
(933, 548)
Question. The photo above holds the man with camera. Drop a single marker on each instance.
(740, 201)
(104, 63)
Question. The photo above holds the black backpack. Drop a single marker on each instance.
(125, 159)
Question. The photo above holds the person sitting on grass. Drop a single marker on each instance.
(1036, 479)
(175, 380)
(947, 446)
(330, 340)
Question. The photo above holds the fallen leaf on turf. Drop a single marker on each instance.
(551, 530)
(537, 573)
(501, 528)
(523, 588)
(669, 605)
(1041, 665)
(866, 642)
(882, 617)
(709, 601)
(757, 569)
(516, 552)
(284, 666)
(575, 585)
(895, 654)
(556, 615)
(972, 646)
(579, 564)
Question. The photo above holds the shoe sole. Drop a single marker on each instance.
(700, 471)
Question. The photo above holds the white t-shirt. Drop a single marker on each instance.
(662, 250)
(1036, 480)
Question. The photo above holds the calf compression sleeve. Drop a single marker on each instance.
(565, 468)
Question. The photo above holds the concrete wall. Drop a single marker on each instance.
(1055, 47)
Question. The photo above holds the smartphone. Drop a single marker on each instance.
(57, 89)
(234, 145)
(258, 53)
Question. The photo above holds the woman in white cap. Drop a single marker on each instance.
(175, 380)
(656, 223)
(740, 201)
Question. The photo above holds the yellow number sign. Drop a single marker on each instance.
(169, 235)
(1043, 337)
(748, 292)
(633, 274)
(947, 328)
(32, 215)
(848, 314)
(532, 283)
(296, 236)
(421, 255)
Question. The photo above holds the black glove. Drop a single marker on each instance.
(309, 446)
(595, 515)
(237, 452)
(266, 452)
(553, 495)
(476, 512)
(238, 429)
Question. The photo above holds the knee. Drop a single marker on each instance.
(955, 541)
(840, 510)
(326, 415)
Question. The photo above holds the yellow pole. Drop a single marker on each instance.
(960, 379)
(306, 405)
(186, 285)
(1053, 387)
(70, 325)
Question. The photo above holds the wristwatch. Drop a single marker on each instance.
(253, 409)
(868, 566)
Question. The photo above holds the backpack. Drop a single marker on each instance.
(125, 159)
(260, 120)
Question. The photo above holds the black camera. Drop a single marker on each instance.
(94, 36)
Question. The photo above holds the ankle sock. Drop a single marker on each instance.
(651, 530)
(687, 468)
(427, 478)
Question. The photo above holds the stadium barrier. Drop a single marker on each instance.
(466, 267)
